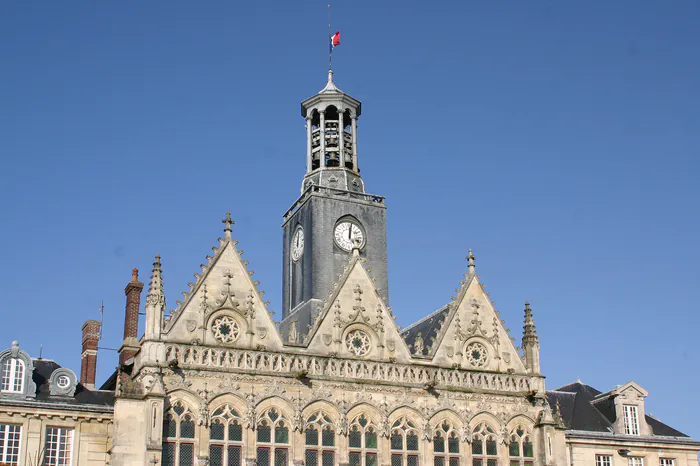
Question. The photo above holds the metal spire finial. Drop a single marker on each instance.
(228, 222)
(470, 259)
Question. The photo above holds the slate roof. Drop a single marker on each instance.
(83, 397)
(580, 410)
(428, 328)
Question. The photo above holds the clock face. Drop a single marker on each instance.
(297, 244)
(346, 233)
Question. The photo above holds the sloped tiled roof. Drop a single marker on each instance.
(43, 368)
(427, 327)
(579, 411)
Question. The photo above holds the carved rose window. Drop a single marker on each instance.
(358, 342)
(476, 354)
(225, 329)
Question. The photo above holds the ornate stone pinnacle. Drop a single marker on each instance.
(470, 259)
(529, 332)
(228, 222)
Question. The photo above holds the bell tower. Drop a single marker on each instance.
(332, 216)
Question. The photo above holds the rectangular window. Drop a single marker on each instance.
(635, 461)
(666, 462)
(631, 420)
(9, 443)
(186, 454)
(58, 447)
(603, 460)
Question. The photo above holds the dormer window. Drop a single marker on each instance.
(631, 420)
(12, 376)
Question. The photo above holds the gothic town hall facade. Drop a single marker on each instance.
(218, 382)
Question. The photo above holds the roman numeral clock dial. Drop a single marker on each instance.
(297, 245)
(346, 233)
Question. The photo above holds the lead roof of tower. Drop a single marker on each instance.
(331, 95)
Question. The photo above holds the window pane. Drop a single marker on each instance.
(169, 427)
(491, 462)
(514, 463)
(528, 451)
(217, 431)
(477, 447)
(396, 443)
(477, 462)
(168, 454)
(514, 449)
(370, 440)
(355, 459)
(355, 439)
(438, 444)
(187, 429)
(263, 457)
(312, 437)
(264, 434)
(370, 459)
(453, 444)
(216, 455)
(234, 455)
(439, 461)
(281, 457)
(281, 434)
(186, 454)
(396, 460)
(311, 458)
(235, 432)
(412, 460)
(328, 437)
(454, 461)
(411, 442)
(328, 457)
(9, 443)
(491, 447)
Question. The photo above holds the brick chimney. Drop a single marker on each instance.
(88, 365)
(130, 345)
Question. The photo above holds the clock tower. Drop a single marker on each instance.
(332, 216)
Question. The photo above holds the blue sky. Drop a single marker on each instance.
(559, 140)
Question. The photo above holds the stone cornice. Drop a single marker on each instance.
(351, 370)
(605, 437)
(56, 410)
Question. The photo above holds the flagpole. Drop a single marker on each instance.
(330, 52)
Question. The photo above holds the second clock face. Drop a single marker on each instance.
(297, 244)
(346, 233)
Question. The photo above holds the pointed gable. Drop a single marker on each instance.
(224, 306)
(466, 333)
(355, 321)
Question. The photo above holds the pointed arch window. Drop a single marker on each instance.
(363, 442)
(225, 437)
(319, 440)
(484, 446)
(178, 436)
(12, 376)
(520, 448)
(446, 445)
(272, 439)
(404, 443)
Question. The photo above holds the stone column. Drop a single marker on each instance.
(309, 146)
(322, 133)
(354, 144)
(341, 141)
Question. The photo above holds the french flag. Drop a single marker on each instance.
(335, 40)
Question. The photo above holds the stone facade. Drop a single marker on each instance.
(217, 381)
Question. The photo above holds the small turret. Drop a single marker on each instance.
(155, 302)
(531, 343)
